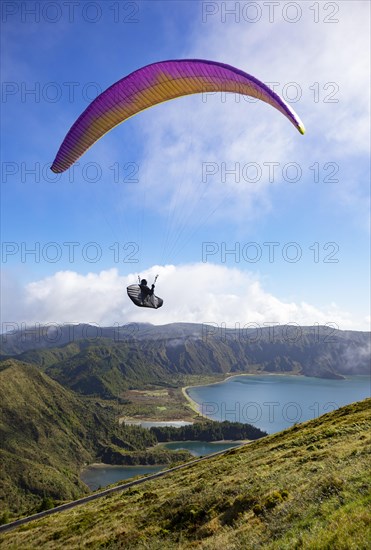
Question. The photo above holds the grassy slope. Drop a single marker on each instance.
(47, 433)
(43, 429)
(307, 487)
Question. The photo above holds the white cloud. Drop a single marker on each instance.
(199, 293)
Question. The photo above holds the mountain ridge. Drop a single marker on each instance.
(124, 358)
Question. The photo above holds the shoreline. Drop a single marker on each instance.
(196, 407)
(193, 405)
(102, 465)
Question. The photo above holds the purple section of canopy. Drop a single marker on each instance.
(154, 84)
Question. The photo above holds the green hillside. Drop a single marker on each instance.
(307, 487)
(48, 433)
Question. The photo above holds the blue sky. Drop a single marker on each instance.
(245, 220)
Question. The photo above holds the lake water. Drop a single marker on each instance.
(272, 403)
(276, 402)
(103, 475)
(199, 448)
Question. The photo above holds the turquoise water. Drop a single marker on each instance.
(199, 448)
(103, 475)
(272, 403)
(276, 402)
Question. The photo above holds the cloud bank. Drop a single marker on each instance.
(197, 293)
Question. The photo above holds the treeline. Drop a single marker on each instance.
(207, 431)
(136, 438)
(117, 456)
(137, 445)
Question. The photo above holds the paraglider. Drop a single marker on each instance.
(143, 296)
(149, 86)
(154, 84)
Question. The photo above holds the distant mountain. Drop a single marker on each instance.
(105, 361)
(16, 341)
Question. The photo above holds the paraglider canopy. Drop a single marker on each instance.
(149, 86)
(155, 84)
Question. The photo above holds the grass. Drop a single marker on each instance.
(307, 487)
(165, 403)
(48, 433)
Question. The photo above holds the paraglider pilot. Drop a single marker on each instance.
(145, 290)
(143, 296)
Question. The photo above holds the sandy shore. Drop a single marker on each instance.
(194, 405)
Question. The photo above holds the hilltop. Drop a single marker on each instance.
(306, 487)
